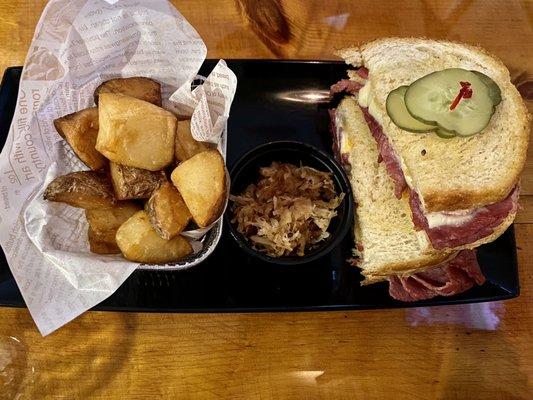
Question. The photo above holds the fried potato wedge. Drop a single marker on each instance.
(201, 181)
(135, 133)
(134, 183)
(139, 87)
(110, 219)
(186, 146)
(104, 223)
(167, 211)
(102, 242)
(84, 189)
(80, 130)
(139, 242)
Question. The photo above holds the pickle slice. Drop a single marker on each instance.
(443, 133)
(429, 99)
(400, 116)
(495, 93)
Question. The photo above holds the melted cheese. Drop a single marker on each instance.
(367, 100)
(436, 219)
(346, 144)
(364, 95)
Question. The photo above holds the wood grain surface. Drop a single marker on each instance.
(462, 352)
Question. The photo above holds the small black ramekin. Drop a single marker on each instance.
(246, 171)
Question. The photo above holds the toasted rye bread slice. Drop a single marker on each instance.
(458, 173)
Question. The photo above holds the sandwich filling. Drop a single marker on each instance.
(446, 279)
(444, 229)
(450, 277)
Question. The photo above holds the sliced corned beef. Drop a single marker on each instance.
(362, 72)
(446, 279)
(482, 224)
(345, 86)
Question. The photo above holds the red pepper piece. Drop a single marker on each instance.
(465, 92)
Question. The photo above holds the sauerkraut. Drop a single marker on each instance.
(288, 211)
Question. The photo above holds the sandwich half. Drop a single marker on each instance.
(462, 190)
(388, 247)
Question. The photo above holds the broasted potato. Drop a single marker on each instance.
(201, 181)
(134, 183)
(84, 189)
(80, 130)
(104, 223)
(139, 87)
(135, 133)
(186, 146)
(168, 213)
(102, 242)
(110, 219)
(139, 242)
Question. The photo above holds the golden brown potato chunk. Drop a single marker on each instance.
(134, 183)
(139, 242)
(104, 223)
(84, 189)
(109, 219)
(135, 133)
(139, 87)
(201, 181)
(102, 242)
(168, 213)
(186, 146)
(80, 130)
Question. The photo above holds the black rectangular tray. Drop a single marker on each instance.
(275, 100)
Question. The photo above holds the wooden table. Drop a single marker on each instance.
(473, 351)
